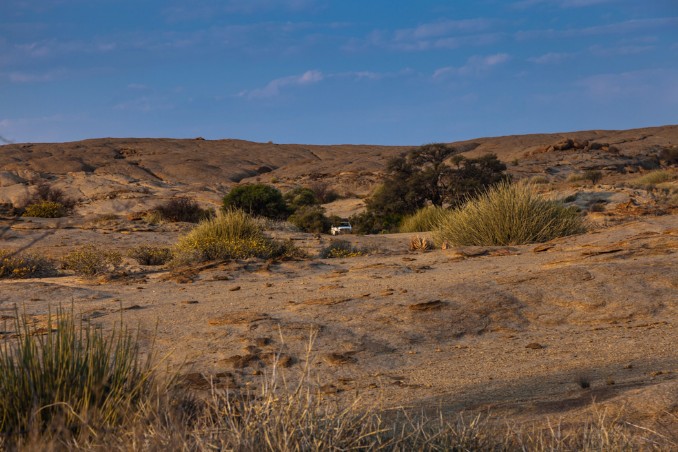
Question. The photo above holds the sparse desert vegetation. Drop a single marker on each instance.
(24, 265)
(271, 335)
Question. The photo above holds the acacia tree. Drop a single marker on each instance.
(423, 176)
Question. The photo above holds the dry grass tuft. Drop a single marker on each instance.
(418, 243)
(508, 214)
(424, 220)
(73, 382)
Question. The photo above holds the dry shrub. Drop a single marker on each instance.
(89, 260)
(418, 243)
(424, 220)
(341, 249)
(232, 234)
(150, 255)
(45, 209)
(179, 209)
(23, 265)
(508, 214)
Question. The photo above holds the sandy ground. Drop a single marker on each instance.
(512, 331)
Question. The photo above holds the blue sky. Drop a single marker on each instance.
(334, 71)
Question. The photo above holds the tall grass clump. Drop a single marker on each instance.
(508, 214)
(425, 219)
(23, 265)
(654, 178)
(70, 381)
(231, 234)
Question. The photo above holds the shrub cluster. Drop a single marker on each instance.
(89, 260)
(48, 202)
(508, 214)
(22, 265)
(257, 200)
(310, 219)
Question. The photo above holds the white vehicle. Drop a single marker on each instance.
(343, 228)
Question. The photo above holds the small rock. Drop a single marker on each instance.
(534, 346)
(189, 302)
(233, 289)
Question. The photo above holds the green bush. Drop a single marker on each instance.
(425, 219)
(150, 255)
(300, 197)
(230, 235)
(341, 249)
(508, 214)
(180, 209)
(45, 209)
(89, 260)
(369, 222)
(310, 219)
(71, 379)
(20, 265)
(258, 200)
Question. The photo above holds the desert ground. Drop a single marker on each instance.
(581, 324)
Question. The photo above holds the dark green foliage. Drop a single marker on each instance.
(258, 200)
(299, 197)
(182, 209)
(310, 219)
(373, 223)
(423, 176)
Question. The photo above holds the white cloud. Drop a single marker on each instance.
(620, 50)
(273, 87)
(475, 65)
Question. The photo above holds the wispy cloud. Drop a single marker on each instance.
(475, 65)
(551, 58)
(655, 84)
(625, 27)
(273, 87)
(208, 9)
(622, 50)
(523, 4)
(443, 34)
(27, 77)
